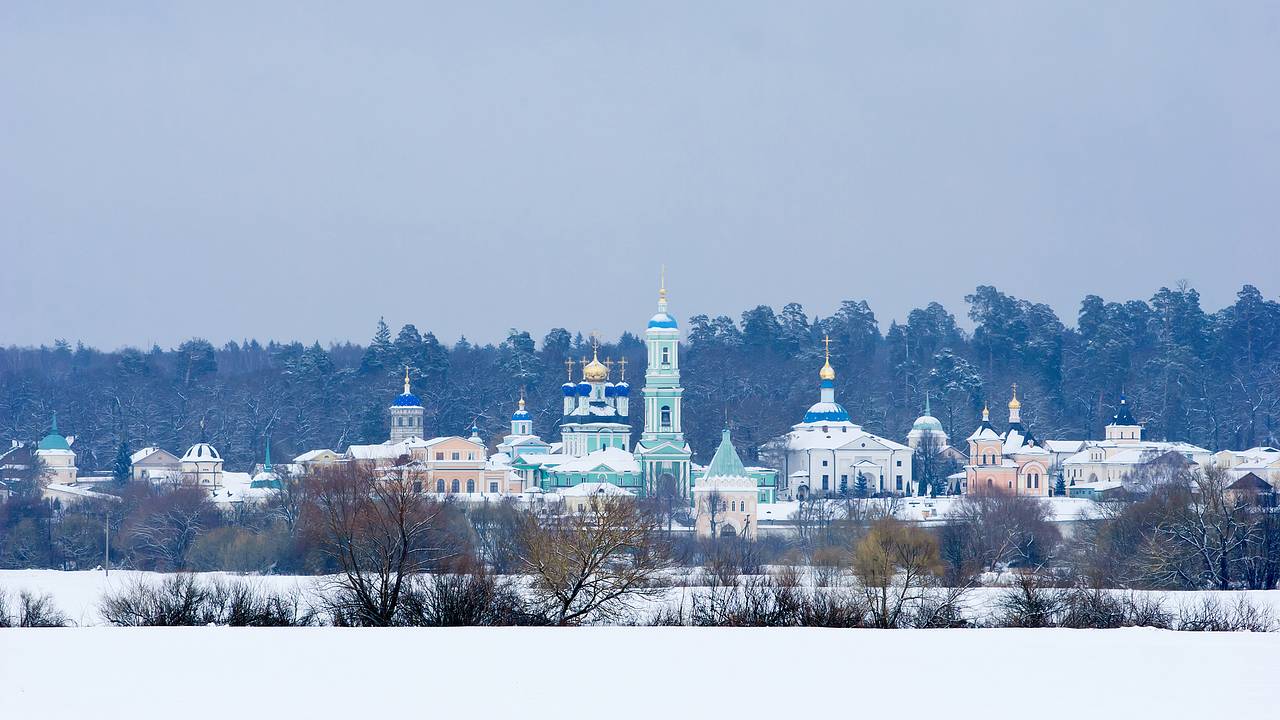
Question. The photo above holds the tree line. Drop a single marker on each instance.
(1210, 378)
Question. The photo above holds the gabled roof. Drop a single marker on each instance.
(1251, 483)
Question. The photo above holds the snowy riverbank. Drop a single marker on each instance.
(627, 673)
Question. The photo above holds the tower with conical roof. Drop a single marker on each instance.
(407, 413)
(725, 497)
(1123, 428)
(661, 450)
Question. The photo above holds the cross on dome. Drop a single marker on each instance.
(827, 372)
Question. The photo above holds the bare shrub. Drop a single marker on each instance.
(184, 600)
(463, 599)
(1031, 602)
(32, 611)
(1212, 615)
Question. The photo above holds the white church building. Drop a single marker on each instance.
(827, 453)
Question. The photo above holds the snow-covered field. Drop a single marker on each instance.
(634, 673)
(613, 672)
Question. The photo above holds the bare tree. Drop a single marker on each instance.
(290, 499)
(713, 505)
(594, 564)
(1200, 540)
(895, 564)
(380, 533)
(169, 524)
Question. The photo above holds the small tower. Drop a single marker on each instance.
(1123, 428)
(407, 414)
(521, 422)
(57, 456)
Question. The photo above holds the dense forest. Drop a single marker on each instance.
(1212, 378)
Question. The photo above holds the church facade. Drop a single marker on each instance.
(828, 454)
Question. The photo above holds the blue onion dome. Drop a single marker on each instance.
(663, 320)
(622, 389)
(584, 388)
(406, 398)
(569, 389)
(520, 413)
(610, 390)
(826, 412)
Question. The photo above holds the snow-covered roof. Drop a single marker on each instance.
(588, 489)
(839, 436)
(201, 452)
(382, 451)
(81, 492)
(311, 455)
(613, 458)
(144, 453)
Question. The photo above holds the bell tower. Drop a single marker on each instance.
(407, 413)
(662, 451)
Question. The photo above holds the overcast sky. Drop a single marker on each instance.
(294, 170)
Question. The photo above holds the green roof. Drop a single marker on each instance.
(726, 462)
(54, 441)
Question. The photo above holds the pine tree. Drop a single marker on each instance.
(860, 487)
(123, 467)
(380, 351)
(1060, 487)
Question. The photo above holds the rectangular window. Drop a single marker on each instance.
(439, 456)
(493, 487)
(899, 463)
(457, 456)
(826, 485)
(899, 481)
(824, 463)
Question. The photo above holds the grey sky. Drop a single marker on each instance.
(294, 170)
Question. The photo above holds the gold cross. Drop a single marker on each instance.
(826, 340)
(568, 365)
(622, 368)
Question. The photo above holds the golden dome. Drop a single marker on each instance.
(827, 372)
(595, 371)
(1014, 404)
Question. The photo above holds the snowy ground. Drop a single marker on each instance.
(77, 594)
(628, 673)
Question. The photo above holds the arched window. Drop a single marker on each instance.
(440, 486)
(471, 486)
(453, 486)
(666, 355)
(665, 420)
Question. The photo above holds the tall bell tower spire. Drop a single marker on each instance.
(662, 451)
